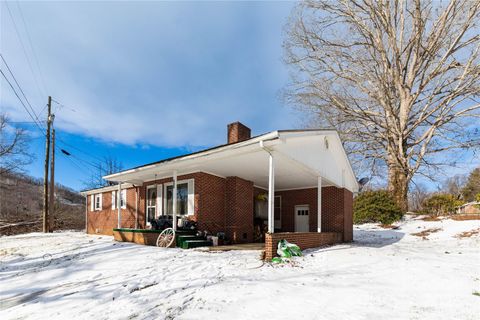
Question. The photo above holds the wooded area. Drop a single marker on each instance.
(21, 205)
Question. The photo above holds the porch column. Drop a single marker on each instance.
(174, 199)
(119, 205)
(271, 194)
(319, 205)
(136, 207)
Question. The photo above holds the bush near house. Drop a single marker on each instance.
(376, 206)
(441, 204)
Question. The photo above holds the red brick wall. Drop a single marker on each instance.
(209, 205)
(348, 216)
(239, 210)
(237, 132)
(292, 198)
(337, 210)
(210, 193)
(103, 221)
(304, 240)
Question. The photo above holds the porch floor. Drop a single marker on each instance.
(241, 246)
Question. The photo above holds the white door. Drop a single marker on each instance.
(301, 218)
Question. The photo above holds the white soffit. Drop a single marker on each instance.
(299, 157)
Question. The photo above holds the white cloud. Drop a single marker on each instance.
(154, 73)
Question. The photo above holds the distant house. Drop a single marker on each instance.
(469, 208)
(288, 184)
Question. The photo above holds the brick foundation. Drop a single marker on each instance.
(145, 238)
(304, 240)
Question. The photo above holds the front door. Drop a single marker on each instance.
(301, 218)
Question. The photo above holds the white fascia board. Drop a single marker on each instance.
(240, 147)
(337, 151)
(105, 189)
(355, 187)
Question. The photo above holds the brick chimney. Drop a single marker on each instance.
(237, 132)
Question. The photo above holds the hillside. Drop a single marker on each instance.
(21, 203)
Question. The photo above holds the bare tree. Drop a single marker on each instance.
(108, 166)
(417, 196)
(13, 147)
(454, 185)
(398, 79)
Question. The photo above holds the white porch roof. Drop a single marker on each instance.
(300, 157)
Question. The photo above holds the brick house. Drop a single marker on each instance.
(294, 184)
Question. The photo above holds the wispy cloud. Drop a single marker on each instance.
(166, 74)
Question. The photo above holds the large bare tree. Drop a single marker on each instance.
(14, 154)
(400, 80)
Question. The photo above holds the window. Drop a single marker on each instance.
(123, 199)
(151, 203)
(277, 207)
(182, 199)
(114, 200)
(185, 198)
(98, 202)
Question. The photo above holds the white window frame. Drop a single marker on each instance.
(147, 206)
(123, 199)
(114, 200)
(278, 222)
(99, 195)
(190, 198)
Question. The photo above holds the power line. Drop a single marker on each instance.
(78, 149)
(19, 87)
(24, 49)
(31, 46)
(64, 106)
(21, 101)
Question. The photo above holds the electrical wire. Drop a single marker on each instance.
(32, 47)
(19, 87)
(24, 49)
(21, 101)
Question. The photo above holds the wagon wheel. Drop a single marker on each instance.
(165, 239)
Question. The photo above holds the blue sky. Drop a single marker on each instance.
(144, 81)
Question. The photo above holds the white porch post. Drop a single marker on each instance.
(174, 199)
(319, 205)
(119, 205)
(136, 207)
(271, 193)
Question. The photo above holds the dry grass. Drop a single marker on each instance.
(388, 226)
(432, 218)
(425, 233)
(468, 234)
(463, 217)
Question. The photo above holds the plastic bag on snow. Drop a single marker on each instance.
(287, 250)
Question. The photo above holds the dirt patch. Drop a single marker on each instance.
(463, 217)
(468, 234)
(388, 226)
(432, 218)
(425, 233)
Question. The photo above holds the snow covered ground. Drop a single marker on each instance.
(384, 274)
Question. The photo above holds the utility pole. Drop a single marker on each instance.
(51, 206)
(45, 176)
